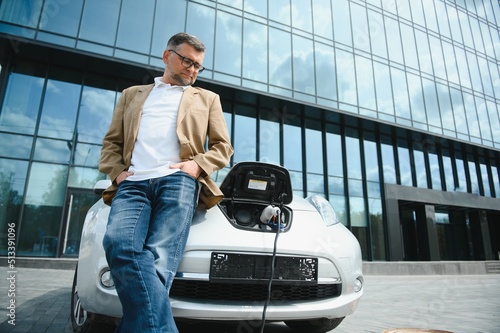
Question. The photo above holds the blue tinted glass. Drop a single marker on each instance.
(59, 17)
(326, 73)
(292, 139)
(244, 144)
(405, 166)
(323, 25)
(48, 150)
(303, 65)
(206, 31)
(24, 13)
(371, 161)
(388, 163)
(377, 34)
(420, 169)
(360, 27)
(255, 51)
(341, 22)
(96, 110)
(314, 151)
(228, 41)
(353, 158)
(169, 19)
(302, 15)
(365, 84)
(15, 145)
(100, 21)
(280, 58)
(279, 10)
(59, 110)
(136, 22)
(19, 114)
(385, 102)
(334, 155)
(346, 77)
(269, 141)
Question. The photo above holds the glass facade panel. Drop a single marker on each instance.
(59, 110)
(323, 23)
(16, 146)
(400, 92)
(255, 51)
(58, 17)
(279, 11)
(302, 15)
(365, 84)
(341, 22)
(437, 58)
(136, 21)
(326, 73)
(269, 141)
(292, 138)
(52, 150)
(371, 161)
(280, 58)
(409, 47)
(84, 177)
(228, 41)
(353, 159)
(461, 185)
(388, 165)
(170, 18)
(393, 40)
(12, 181)
(360, 27)
(377, 229)
(244, 144)
(459, 111)
(448, 171)
(377, 34)
(416, 98)
(346, 77)
(26, 13)
(39, 229)
(197, 13)
(420, 169)
(95, 114)
(404, 165)
(19, 114)
(334, 152)
(100, 21)
(303, 65)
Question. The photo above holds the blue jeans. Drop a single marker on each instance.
(146, 235)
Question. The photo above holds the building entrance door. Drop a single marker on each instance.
(78, 202)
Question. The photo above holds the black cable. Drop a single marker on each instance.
(263, 320)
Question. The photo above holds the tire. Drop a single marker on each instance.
(83, 321)
(321, 325)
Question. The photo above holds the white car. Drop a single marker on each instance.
(257, 231)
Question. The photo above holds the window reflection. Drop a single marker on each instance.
(420, 169)
(25, 13)
(59, 110)
(341, 22)
(280, 58)
(326, 73)
(244, 138)
(353, 158)
(136, 21)
(377, 34)
(322, 18)
(365, 84)
(100, 21)
(228, 41)
(401, 101)
(303, 65)
(302, 15)
(314, 148)
(389, 167)
(59, 17)
(279, 11)
(12, 180)
(84, 177)
(198, 13)
(346, 77)
(19, 114)
(96, 110)
(255, 51)
(360, 27)
(371, 161)
(269, 141)
(52, 150)
(404, 164)
(485, 179)
(16, 146)
(292, 138)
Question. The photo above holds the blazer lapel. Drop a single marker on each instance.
(186, 101)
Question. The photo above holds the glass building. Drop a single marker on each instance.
(388, 108)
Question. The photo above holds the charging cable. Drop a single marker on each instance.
(270, 213)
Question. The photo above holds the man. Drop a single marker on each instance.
(154, 152)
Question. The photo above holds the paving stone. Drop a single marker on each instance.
(453, 303)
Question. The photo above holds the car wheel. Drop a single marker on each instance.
(81, 320)
(321, 325)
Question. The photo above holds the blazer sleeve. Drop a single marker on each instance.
(219, 147)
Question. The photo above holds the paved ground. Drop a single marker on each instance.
(454, 303)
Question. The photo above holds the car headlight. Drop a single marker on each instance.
(324, 208)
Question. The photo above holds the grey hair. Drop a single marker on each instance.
(185, 38)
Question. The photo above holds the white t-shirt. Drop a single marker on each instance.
(157, 145)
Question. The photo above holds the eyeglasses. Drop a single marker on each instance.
(186, 62)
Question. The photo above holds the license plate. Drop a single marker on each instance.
(246, 268)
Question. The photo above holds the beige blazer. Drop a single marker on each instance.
(200, 120)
